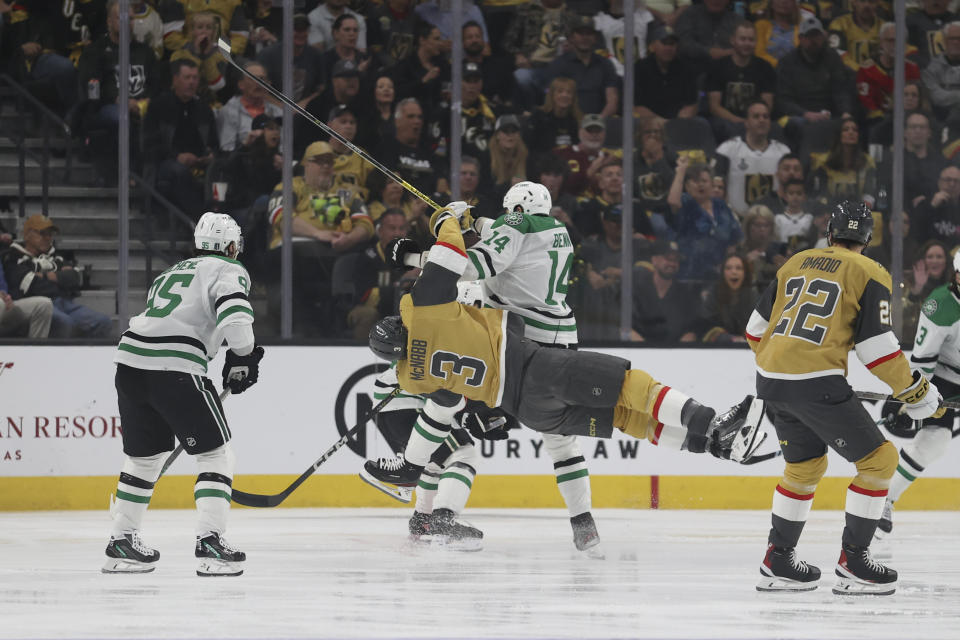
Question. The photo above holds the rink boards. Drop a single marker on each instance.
(60, 438)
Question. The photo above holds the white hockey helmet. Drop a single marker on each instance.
(215, 232)
(956, 261)
(528, 197)
(470, 293)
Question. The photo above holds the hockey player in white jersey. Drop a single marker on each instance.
(523, 261)
(936, 354)
(163, 393)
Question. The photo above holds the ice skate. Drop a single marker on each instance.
(585, 536)
(419, 525)
(444, 530)
(885, 526)
(394, 476)
(217, 557)
(128, 554)
(782, 571)
(735, 434)
(859, 574)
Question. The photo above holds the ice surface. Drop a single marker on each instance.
(350, 573)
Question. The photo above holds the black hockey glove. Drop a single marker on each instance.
(896, 421)
(488, 424)
(399, 249)
(241, 372)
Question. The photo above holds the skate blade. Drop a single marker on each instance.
(438, 541)
(211, 567)
(594, 552)
(124, 565)
(852, 587)
(771, 584)
(750, 436)
(398, 492)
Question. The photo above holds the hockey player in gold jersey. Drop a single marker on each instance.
(448, 352)
(823, 303)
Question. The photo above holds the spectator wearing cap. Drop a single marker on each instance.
(663, 82)
(234, 120)
(585, 158)
(609, 192)
(423, 74)
(596, 78)
(327, 221)
(179, 138)
(229, 13)
(778, 32)
(706, 227)
(535, 36)
(609, 25)
(749, 162)
(556, 122)
(345, 34)
(350, 171)
(441, 18)
(250, 171)
(321, 24)
(812, 82)
(405, 151)
(308, 77)
(941, 77)
(344, 89)
(476, 115)
(508, 156)
(33, 267)
(705, 31)
(662, 306)
(737, 80)
(391, 31)
(499, 87)
(856, 33)
(597, 299)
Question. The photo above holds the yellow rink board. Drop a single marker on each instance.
(624, 492)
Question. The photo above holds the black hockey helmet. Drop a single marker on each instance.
(388, 339)
(851, 221)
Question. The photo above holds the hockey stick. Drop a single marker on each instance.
(225, 52)
(176, 452)
(264, 501)
(873, 395)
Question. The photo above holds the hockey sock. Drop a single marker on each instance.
(427, 488)
(429, 431)
(134, 490)
(454, 487)
(570, 467)
(867, 494)
(790, 511)
(213, 488)
(926, 448)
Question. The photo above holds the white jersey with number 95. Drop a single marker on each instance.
(188, 307)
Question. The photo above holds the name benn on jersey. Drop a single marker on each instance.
(561, 240)
(418, 359)
(830, 265)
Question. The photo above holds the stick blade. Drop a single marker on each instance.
(224, 47)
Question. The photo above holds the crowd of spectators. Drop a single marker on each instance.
(751, 119)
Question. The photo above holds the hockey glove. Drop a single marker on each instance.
(893, 417)
(921, 398)
(459, 210)
(399, 249)
(241, 372)
(488, 424)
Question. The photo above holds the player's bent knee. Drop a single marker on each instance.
(561, 448)
(879, 463)
(805, 475)
(929, 444)
(220, 460)
(467, 454)
(147, 467)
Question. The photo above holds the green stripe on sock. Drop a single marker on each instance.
(211, 493)
(427, 485)
(573, 475)
(464, 479)
(132, 497)
(906, 474)
(426, 434)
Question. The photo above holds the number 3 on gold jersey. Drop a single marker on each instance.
(801, 320)
(459, 365)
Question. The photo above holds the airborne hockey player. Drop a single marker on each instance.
(823, 303)
(936, 356)
(163, 392)
(448, 351)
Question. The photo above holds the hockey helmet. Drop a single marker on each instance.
(956, 261)
(388, 339)
(528, 197)
(851, 221)
(215, 232)
(470, 293)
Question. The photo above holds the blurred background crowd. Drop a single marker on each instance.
(750, 119)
